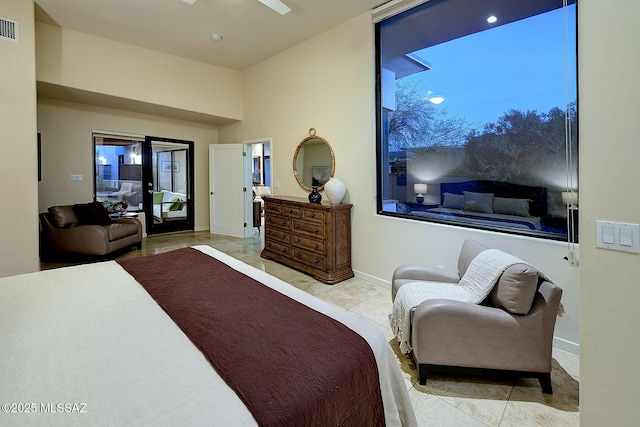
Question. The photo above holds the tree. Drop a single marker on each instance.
(513, 148)
(417, 123)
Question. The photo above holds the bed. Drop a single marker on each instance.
(490, 203)
(88, 345)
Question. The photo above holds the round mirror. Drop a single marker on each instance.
(313, 162)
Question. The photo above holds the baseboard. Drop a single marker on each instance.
(567, 346)
(372, 279)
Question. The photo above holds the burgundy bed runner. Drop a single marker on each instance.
(290, 365)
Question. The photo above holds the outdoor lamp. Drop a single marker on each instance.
(570, 198)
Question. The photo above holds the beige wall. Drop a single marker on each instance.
(18, 174)
(116, 74)
(328, 83)
(75, 60)
(67, 148)
(609, 175)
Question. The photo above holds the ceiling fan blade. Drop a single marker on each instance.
(277, 5)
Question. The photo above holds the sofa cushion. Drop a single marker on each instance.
(126, 187)
(92, 213)
(119, 230)
(63, 216)
(516, 289)
(168, 196)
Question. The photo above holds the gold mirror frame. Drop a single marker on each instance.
(312, 136)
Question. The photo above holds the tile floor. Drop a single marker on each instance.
(445, 400)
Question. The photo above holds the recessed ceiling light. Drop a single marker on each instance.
(492, 19)
(216, 37)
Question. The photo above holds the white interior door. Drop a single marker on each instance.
(227, 190)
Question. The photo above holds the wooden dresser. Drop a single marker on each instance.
(310, 237)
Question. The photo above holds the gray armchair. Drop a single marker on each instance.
(511, 331)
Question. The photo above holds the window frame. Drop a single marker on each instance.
(383, 154)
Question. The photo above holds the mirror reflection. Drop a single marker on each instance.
(313, 162)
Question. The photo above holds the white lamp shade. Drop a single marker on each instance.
(570, 198)
(263, 191)
(419, 188)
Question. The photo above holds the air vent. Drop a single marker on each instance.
(8, 29)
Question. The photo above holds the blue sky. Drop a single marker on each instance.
(518, 65)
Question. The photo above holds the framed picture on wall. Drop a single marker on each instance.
(165, 167)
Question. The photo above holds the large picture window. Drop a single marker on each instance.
(477, 115)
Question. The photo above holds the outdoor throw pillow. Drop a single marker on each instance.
(157, 197)
(177, 204)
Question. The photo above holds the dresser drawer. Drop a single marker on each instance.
(309, 243)
(272, 207)
(278, 234)
(277, 221)
(311, 259)
(276, 247)
(309, 228)
(290, 211)
(313, 215)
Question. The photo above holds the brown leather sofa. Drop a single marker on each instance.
(510, 332)
(86, 229)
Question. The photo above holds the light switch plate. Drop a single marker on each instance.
(608, 235)
(618, 236)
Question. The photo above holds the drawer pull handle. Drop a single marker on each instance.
(284, 249)
(317, 230)
(290, 210)
(298, 240)
(316, 246)
(284, 222)
(269, 244)
(297, 225)
(298, 255)
(284, 235)
(313, 214)
(317, 261)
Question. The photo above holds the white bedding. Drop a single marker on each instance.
(88, 343)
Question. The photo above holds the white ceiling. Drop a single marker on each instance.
(251, 31)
